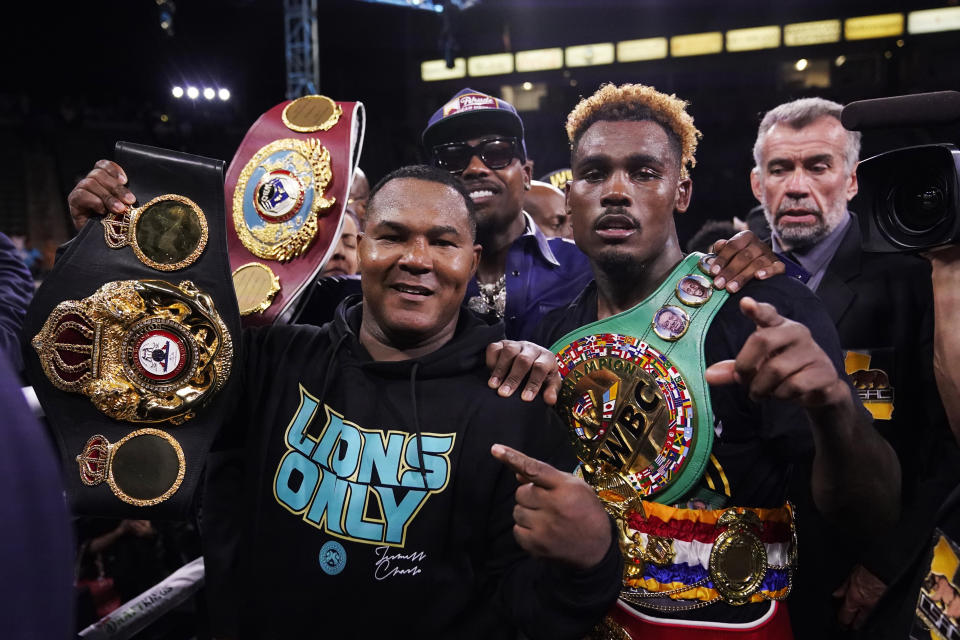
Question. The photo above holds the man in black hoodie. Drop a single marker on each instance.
(366, 495)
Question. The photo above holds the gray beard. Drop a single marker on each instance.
(802, 237)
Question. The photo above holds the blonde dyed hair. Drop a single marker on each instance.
(637, 102)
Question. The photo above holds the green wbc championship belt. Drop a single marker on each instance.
(634, 395)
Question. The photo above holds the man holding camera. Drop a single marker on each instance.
(882, 305)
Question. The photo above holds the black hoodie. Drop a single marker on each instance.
(374, 506)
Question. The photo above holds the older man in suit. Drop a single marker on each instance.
(882, 305)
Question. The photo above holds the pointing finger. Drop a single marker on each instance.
(533, 470)
(720, 373)
(763, 314)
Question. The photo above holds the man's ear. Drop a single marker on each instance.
(755, 184)
(477, 252)
(684, 192)
(527, 175)
(853, 187)
(360, 237)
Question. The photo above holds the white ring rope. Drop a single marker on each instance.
(140, 612)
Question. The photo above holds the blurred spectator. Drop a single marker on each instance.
(710, 232)
(31, 257)
(16, 291)
(924, 601)
(35, 546)
(359, 192)
(545, 204)
(343, 262)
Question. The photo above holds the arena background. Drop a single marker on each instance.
(81, 75)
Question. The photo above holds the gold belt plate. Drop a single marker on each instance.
(141, 350)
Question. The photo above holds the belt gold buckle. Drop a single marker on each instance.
(738, 560)
(141, 350)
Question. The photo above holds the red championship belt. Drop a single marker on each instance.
(286, 190)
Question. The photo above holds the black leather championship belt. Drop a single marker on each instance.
(286, 190)
(129, 342)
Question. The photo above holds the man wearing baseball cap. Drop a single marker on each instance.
(522, 274)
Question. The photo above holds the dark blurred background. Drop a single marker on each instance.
(81, 75)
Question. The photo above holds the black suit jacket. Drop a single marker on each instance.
(882, 305)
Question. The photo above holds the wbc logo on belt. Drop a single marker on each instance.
(629, 410)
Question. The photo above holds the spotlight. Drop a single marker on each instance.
(164, 117)
(178, 92)
(527, 86)
(209, 93)
(224, 94)
(801, 64)
(193, 93)
(841, 59)
(888, 54)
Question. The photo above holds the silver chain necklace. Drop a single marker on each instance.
(492, 298)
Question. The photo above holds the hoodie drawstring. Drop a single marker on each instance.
(330, 363)
(416, 420)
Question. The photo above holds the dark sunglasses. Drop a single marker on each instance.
(496, 153)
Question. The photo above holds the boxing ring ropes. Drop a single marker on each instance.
(140, 612)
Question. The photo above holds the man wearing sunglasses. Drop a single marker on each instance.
(522, 273)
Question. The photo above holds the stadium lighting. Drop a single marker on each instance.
(193, 93)
(209, 93)
(224, 94)
(178, 92)
(801, 64)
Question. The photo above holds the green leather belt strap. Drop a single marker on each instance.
(634, 394)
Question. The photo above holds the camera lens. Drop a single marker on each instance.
(919, 206)
(911, 198)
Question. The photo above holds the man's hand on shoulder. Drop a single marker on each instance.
(102, 190)
(557, 515)
(510, 361)
(741, 259)
(781, 360)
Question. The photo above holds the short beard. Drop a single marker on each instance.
(619, 268)
(802, 236)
